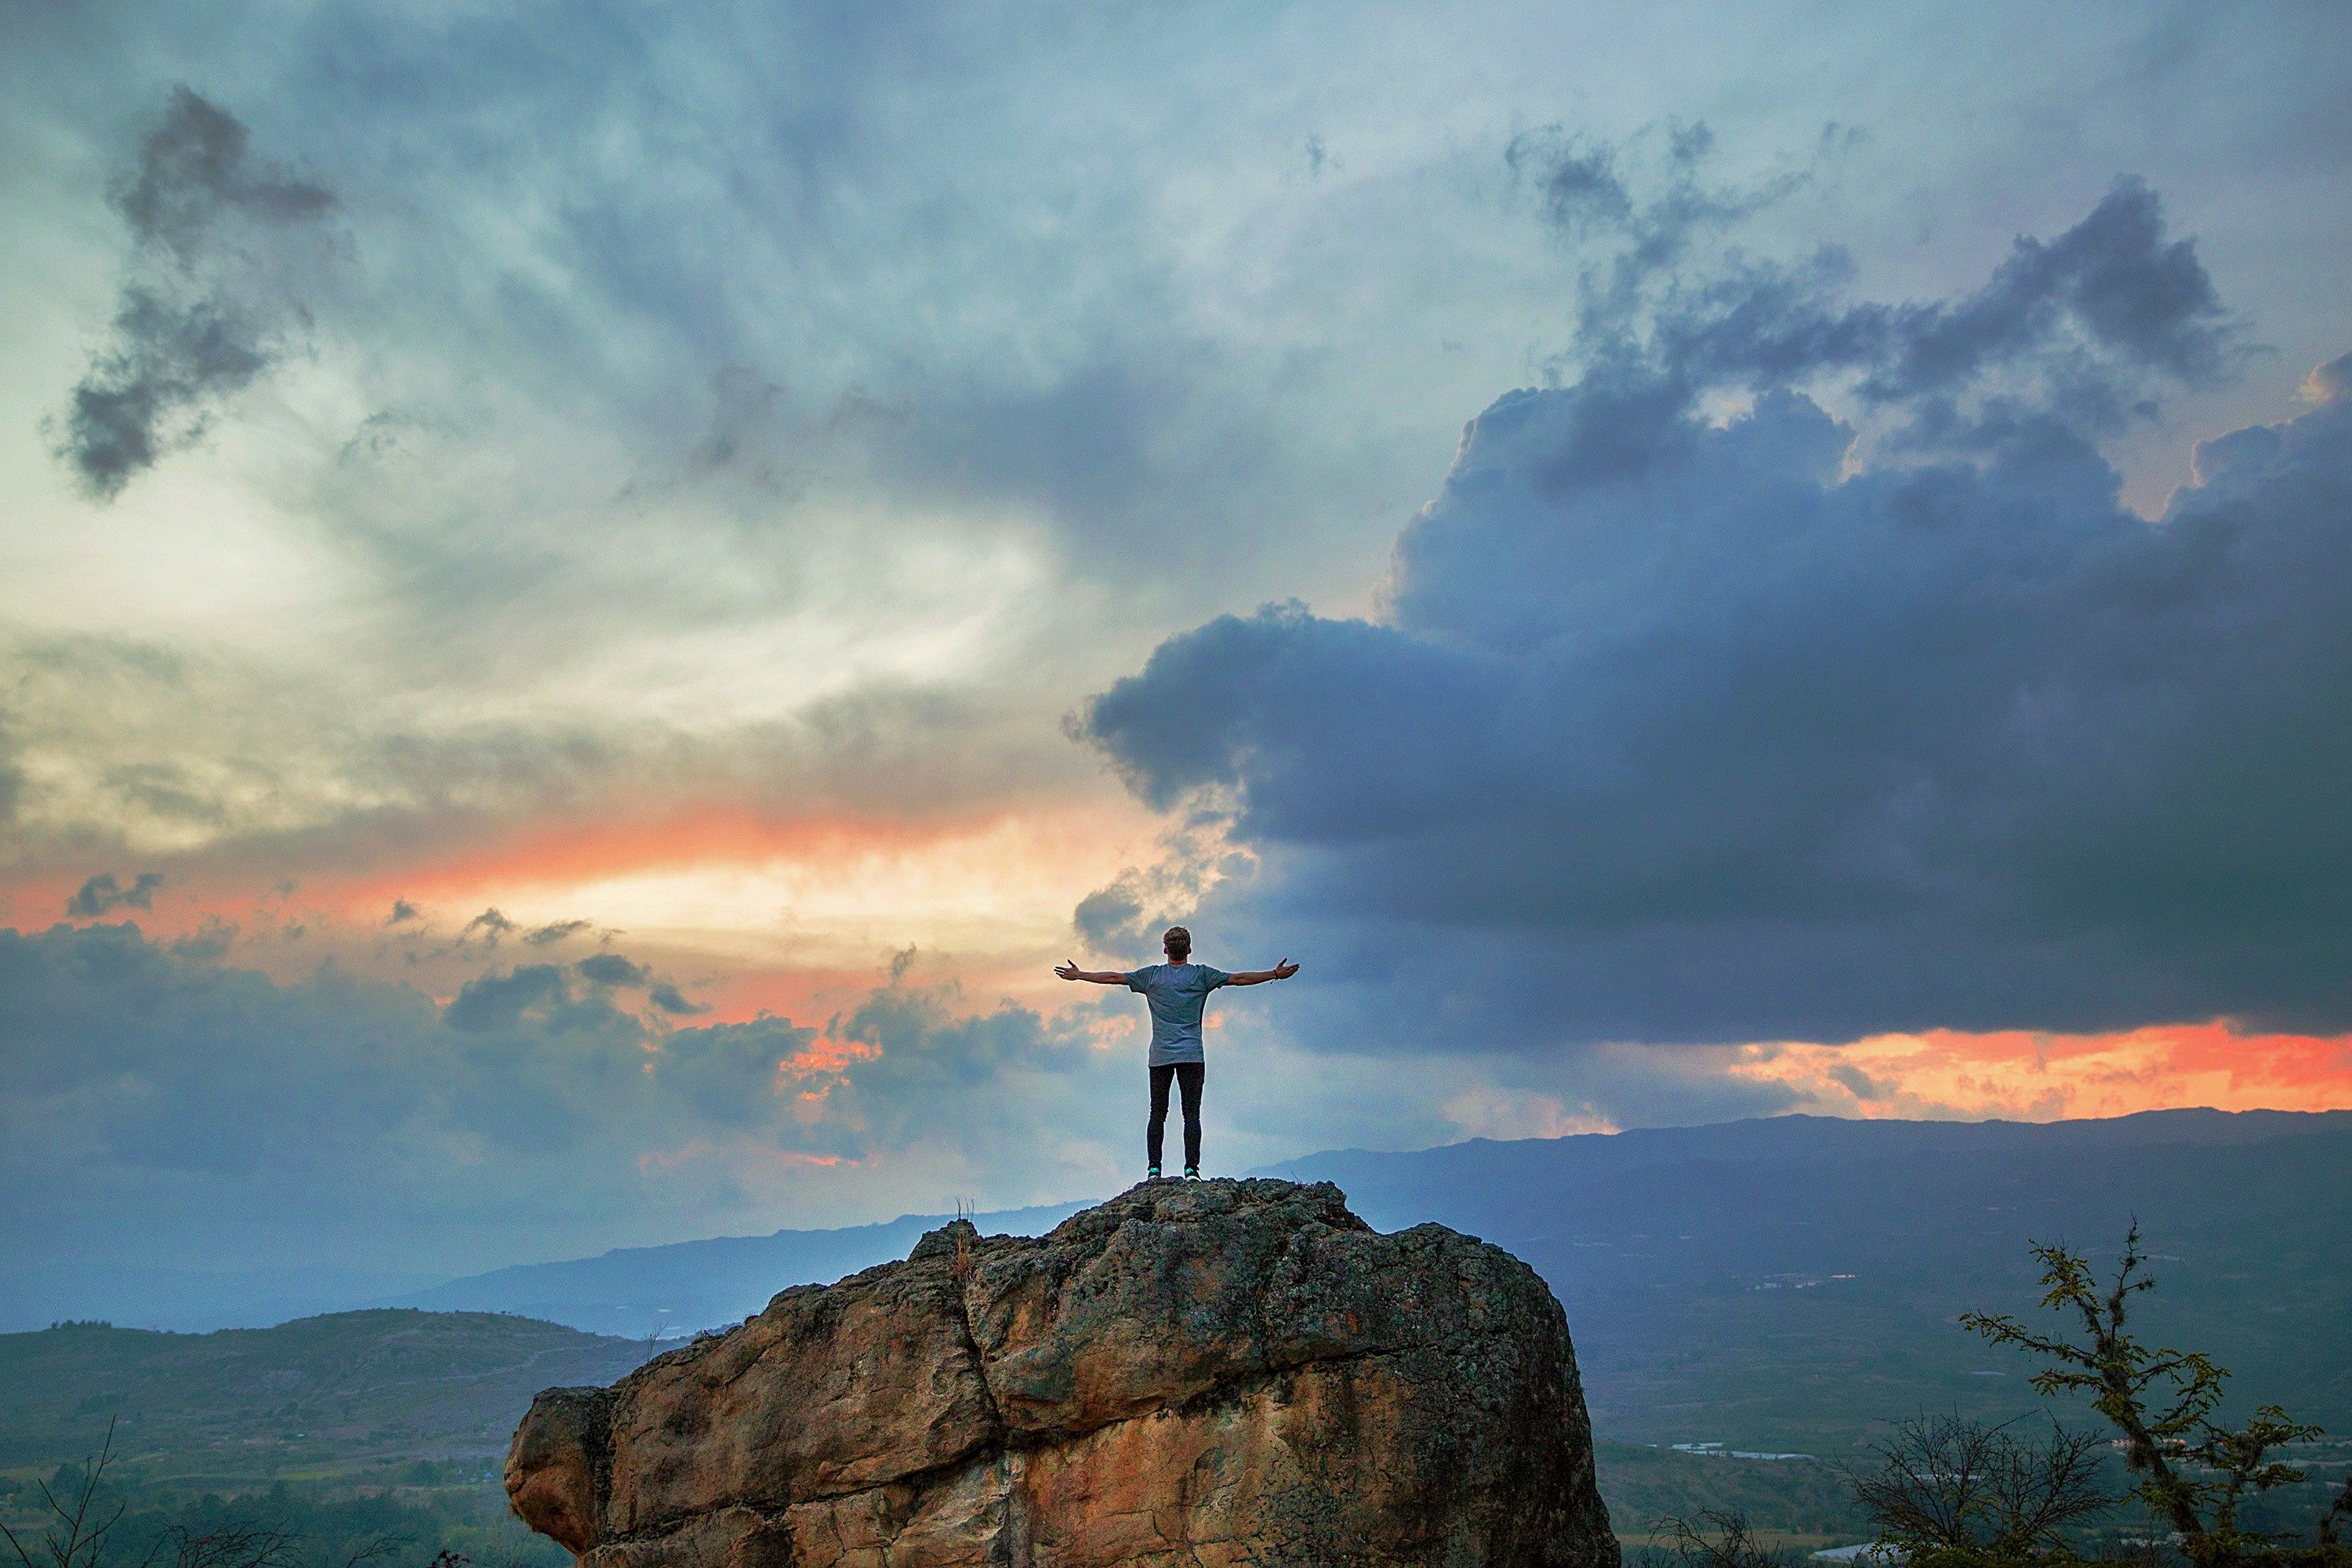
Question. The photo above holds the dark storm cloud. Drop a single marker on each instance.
(197, 165)
(144, 393)
(150, 1091)
(2129, 288)
(1653, 190)
(1636, 211)
(1858, 1083)
(1682, 728)
(609, 969)
(543, 995)
(402, 911)
(537, 991)
(673, 1001)
(554, 932)
(2093, 314)
(612, 969)
(203, 314)
(182, 1108)
(209, 941)
(728, 1072)
(1111, 917)
(2109, 302)
(102, 894)
(1575, 177)
(164, 1061)
(490, 927)
(937, 1069)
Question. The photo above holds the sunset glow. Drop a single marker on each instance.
(587, 611)
(2030, 1077)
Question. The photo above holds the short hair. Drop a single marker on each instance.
(1177, 936)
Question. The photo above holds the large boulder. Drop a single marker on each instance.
(1197, 1373)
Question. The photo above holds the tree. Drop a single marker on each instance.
(1710, 1538)
(2194, 1472)
(2340, 1509)
(1958, 1491)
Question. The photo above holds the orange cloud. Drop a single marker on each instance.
(825, 1056)
(568, 853)
(2035, 1077)
(804, 995)
(793, 914)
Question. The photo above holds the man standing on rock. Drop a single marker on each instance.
(1177, 992)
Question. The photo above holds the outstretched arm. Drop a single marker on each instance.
(1068, 970)
(1282, 971)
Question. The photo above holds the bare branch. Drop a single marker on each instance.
(1713, 1539)
(1949, 1484)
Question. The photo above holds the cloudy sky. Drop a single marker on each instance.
(590, 596)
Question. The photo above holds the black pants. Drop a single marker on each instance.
(1188, 1077)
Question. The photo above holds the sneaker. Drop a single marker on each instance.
(1152, 1175)
(1192, 1172)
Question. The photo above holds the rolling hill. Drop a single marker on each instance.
(318, 1397)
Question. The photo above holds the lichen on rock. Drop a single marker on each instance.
(1197, 1373)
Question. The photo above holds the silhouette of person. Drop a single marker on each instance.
(1177, 992)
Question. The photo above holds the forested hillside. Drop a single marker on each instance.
(347, 1395)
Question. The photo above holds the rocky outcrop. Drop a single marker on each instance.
(1197, 1373)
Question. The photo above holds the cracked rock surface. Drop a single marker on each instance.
(1197, 1373)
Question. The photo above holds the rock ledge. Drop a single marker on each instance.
(1197, 1373)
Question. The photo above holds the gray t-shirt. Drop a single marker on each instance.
(1176, 994)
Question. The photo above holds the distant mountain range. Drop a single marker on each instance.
(1775, 1284)
(1779, 1285)
(36, 1291)
(1792, 1282)
(642, 1291)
